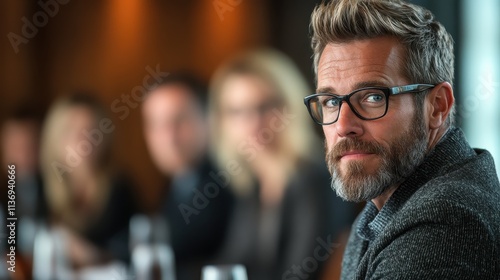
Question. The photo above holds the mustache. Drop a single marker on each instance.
(350, 144)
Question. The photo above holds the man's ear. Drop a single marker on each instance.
(439, 103)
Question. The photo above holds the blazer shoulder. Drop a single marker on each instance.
(456, 204)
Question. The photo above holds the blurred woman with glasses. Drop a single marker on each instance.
(262, 137)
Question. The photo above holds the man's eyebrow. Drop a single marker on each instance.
(325, 90)
(373, 83)
(364, 84)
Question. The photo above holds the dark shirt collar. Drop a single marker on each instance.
(451, 149)
(183, 184)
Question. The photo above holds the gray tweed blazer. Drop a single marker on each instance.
(443, 222)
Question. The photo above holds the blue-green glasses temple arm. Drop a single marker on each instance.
(410, 88)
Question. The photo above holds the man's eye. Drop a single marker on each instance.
(332, 102)
(374, 98)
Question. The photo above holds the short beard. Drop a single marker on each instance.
(402, 157)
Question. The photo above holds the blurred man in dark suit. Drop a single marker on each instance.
(197, 203)
(19, 146)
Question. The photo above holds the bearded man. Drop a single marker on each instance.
(385, 100)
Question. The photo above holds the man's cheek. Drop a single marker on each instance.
(329, 137)
(328, 146)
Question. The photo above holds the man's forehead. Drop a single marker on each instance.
(359, 61)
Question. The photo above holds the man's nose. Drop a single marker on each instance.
(348, 124)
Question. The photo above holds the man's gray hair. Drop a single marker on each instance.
(428, 46)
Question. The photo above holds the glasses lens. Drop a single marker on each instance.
(324, 108)
(369, 103)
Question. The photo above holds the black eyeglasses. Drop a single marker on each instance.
(368, 103)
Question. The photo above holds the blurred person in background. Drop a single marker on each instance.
(19, 138)
(20, 134)
(196, 206)
(284, 203)
(88, 199)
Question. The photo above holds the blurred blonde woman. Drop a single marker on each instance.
(85, 198)
(261, 127)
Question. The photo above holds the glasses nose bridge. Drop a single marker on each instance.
(346, 99)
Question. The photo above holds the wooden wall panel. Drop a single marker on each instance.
(106, 46)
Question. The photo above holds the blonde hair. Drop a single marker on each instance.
(56, 186)
(298, 138)
(428, 46)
